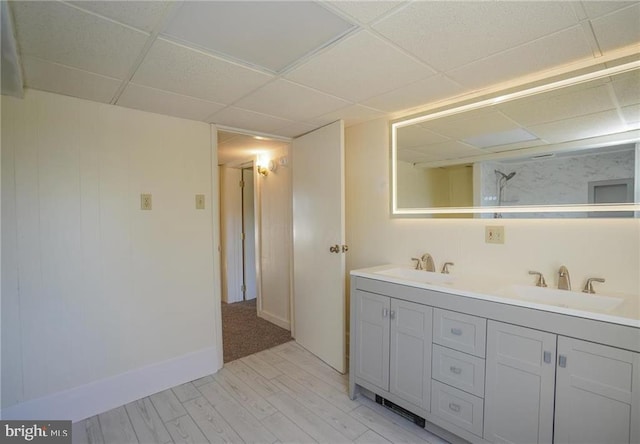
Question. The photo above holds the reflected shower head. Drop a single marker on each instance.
(505, 176)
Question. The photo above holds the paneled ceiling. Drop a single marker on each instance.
(287, 67)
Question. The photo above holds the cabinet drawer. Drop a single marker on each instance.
(460, 331)
(457, 407)
(458, 369)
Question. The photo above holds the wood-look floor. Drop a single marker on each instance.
(284, 394)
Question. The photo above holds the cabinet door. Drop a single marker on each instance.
(519, 384)
(372, 338)
(597, 394)
(410, 362)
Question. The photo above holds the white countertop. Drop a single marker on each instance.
(628, 313)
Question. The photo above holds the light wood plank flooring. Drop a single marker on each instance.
(284, 394)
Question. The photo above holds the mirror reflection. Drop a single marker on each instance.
(545, 152)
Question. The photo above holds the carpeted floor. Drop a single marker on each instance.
(244, 333)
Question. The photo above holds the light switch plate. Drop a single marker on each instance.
(494, 234)
(145, 201)
(199, 201)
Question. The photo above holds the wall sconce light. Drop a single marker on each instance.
(263, 171)
(261, 165)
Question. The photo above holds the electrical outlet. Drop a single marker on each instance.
(145, 201)
(494, 234)
(199, 201)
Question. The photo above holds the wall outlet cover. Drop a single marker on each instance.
(199, 201)
(145, 202)
(494, 234)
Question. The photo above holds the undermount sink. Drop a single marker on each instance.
(427, 277)
(565, 298)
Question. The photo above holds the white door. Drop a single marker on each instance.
(519, 384)
(597, 394)
(318, 223)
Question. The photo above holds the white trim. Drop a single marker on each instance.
(282, 323)
(100, 396)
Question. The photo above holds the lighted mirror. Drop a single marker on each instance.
(565, 149)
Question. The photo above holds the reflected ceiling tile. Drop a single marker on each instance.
(290, 101)
(558, 49)
(185, 71)
(463, 126)
(631, 115)
(271, 34)
(618, 29)
(416, 136)
(627, 88)
(453, 150)
(415, 94)
(144, 15)
(492, 140)
(411, 156)
(249, 120)
(63, 34)
(365, 11)
(163, 102)
(47, 76)
(450, 34)
(559, 105)
(583, 127)
(359, 67)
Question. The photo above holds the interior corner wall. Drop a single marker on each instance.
(608, 248)
(276, 241)
(103, 301)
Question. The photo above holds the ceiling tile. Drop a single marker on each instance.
(365, 11)
(47, 76)
(63, 34)
(163, 102)
(352, 115)
(264, 33)
(450, 34)
(175, 68)
(290, 101)
(248, 120)
(619, 29)
(598, 8)
(296, 129)
(415, 94)
(545, 53)
(359, 67)
(144, 15)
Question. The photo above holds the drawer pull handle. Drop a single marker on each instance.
(455, 370)
(392, 314)
(547, 357)
(562, 361)
(454, 407)
(456, 331)
(385, 312)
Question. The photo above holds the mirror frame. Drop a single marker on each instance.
(608, 140)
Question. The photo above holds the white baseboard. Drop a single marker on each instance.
(100, 396)
(282, 323)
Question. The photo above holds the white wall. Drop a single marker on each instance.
(602, 248)
(274, 193)
(93, 288)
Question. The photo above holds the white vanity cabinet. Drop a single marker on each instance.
(520, 384)
(392, 346)
(597, 394)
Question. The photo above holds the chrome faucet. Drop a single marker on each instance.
(564, 282)
(427, 263)
(418, 263)
(445, 267)
(540, 282)
(588, 287)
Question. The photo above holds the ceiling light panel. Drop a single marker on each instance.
(63, 34)
(272, 34)
(450, 34)
(185, 71)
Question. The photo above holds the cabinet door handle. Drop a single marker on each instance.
(385, 312)
(562, 361)
(455, 370)
(454, 407)
(456, 331)
(547, 357)
(392, 314)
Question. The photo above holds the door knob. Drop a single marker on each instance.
(334, 248)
